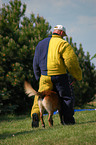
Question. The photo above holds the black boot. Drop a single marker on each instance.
(69, 120)
(35, 120)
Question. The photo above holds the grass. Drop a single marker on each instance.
(16, 130)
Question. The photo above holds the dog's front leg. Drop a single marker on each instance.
(61, 117)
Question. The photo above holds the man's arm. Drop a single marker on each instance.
(71, 61)
(36, 68)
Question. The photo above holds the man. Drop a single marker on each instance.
(53, 57)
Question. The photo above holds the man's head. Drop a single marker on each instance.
(59, 29)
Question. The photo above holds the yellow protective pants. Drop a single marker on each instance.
(44, 84)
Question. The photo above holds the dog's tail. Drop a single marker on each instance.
(29, 90)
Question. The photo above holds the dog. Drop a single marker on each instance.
(47, 100)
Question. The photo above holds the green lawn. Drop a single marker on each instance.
(16, 130)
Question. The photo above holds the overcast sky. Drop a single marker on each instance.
(77, 16)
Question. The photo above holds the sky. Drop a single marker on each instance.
(77, 16)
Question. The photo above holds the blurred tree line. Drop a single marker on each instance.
(19, 36)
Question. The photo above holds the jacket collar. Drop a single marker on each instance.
(56, 35)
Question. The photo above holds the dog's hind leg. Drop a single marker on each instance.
(41, 112)
(50, 120)
(42, 121)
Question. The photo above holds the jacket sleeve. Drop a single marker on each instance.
(70, 60)
(36, 68)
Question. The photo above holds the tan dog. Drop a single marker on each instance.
(48, 100)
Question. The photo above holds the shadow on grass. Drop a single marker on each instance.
(9, 135)
(13, 117)
(85, 122)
